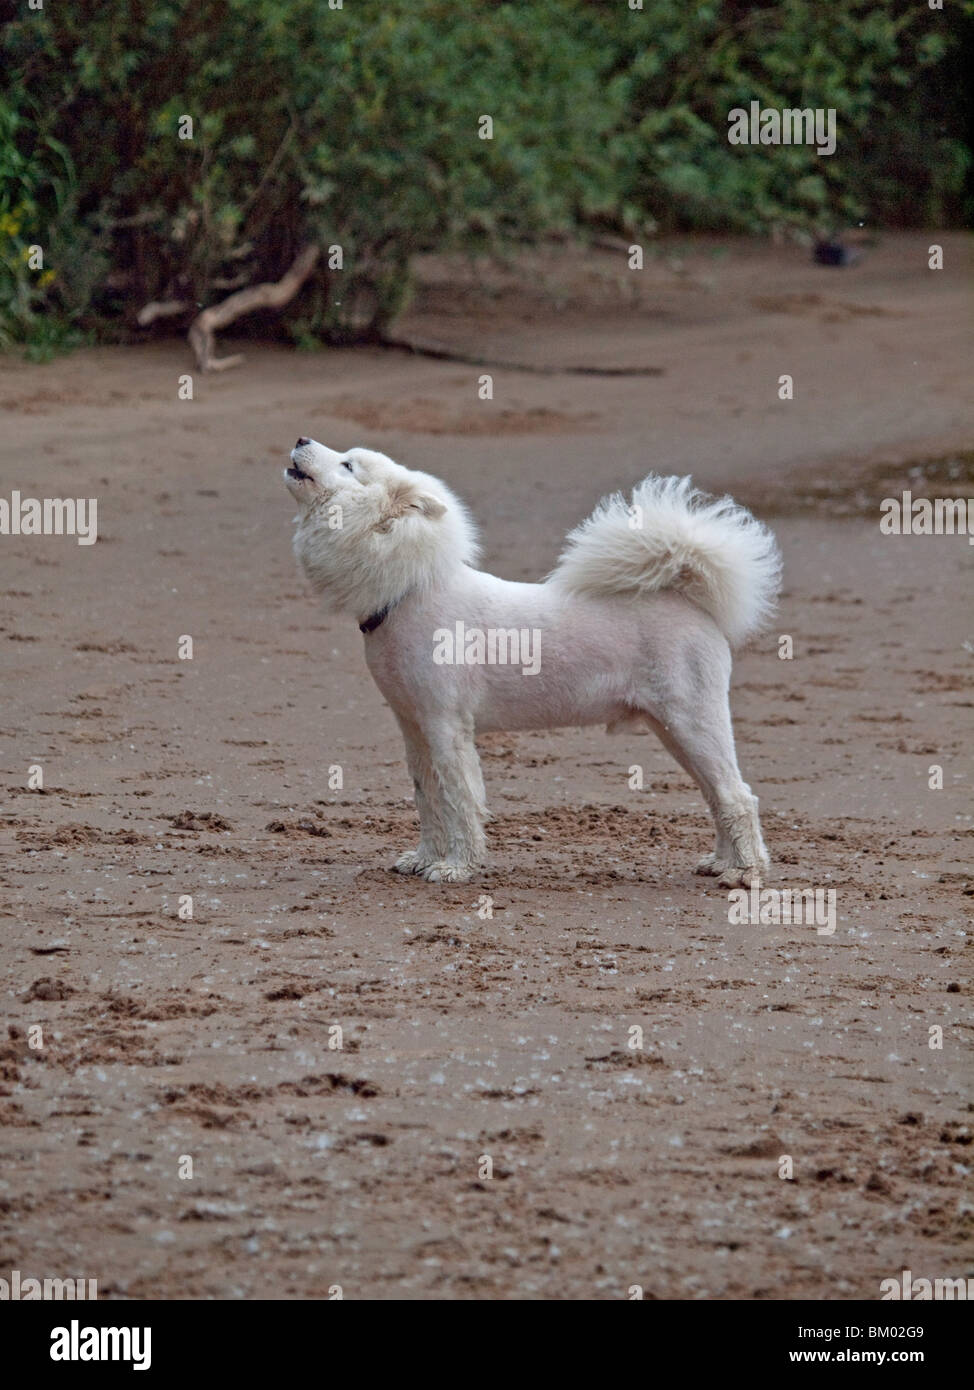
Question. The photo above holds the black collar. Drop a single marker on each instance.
(375, 620)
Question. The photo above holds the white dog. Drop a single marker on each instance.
(632, 628)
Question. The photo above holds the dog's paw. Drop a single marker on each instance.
(710, 864)
(742, 876)
(415, 861)
(443, 871)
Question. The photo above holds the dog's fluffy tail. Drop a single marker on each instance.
(672, 536)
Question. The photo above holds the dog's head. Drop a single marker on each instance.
(368, 530)
(360, 479)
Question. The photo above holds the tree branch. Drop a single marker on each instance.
(162, 309)
(273, 295)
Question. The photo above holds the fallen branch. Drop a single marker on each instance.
(273, 295)
(162, 309)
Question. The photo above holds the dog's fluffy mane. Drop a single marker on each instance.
(397, 534)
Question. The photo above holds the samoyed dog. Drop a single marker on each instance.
(633, 628)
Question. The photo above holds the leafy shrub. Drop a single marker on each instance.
(357, 127)
(891, 72)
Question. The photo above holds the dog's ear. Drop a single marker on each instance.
(405, 499)
(428, 505)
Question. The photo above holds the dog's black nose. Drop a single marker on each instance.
(302, 442)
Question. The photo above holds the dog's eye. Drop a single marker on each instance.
(346, 463)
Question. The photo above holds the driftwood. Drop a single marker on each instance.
(162, 309)
(273, 295)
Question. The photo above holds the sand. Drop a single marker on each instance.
(491, 1021)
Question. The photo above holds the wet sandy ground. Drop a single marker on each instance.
(464, 1035)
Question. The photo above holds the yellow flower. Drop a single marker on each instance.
(45, 278)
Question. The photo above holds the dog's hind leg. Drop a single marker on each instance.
(692, 720)
(740, 855)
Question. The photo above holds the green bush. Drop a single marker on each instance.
(357, 127)
(892, 72)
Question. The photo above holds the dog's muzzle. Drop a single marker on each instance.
(296, 471)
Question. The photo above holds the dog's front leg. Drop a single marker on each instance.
(459, 799)
(433, 837)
